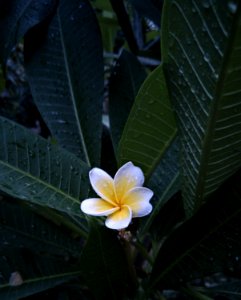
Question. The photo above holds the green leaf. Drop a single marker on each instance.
(33, 169)
(73, 222)
(164, 182)
(164, 221)
(230, 290)
(108, 23)
(202, 49)
(25, 273)
(103, 5)
(17, 17)
(20, 228)
(205, 244)
(125, 81)
(65, 73)
(150, 128)
(103, 264)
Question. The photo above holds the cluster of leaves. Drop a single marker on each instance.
(174, 112)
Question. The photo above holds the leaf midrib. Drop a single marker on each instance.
(44, 278)
(158, 159)
(71, 89)
(40, 181)
(207, 148)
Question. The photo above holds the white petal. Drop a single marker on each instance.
(120, 219)
(103, 184)
(97, 207)
(126, 178)
(138, 200)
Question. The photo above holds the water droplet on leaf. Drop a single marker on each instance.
(206, 57)
(232, 6)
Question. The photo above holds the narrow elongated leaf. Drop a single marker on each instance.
(206, 244)
(65, 73)
(150, 128)
(202, 50)
(24, 273)
(21, 228)
(108, 23)
(34, 170)
(17, 17)
(125, 81)
(104, 265)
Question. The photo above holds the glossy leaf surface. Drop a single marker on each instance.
(17, 17)
(65, 73)
(201, 52)
(165, 181)
(151, 126)
(33, 169)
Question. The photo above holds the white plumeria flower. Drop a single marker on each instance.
(121, 198)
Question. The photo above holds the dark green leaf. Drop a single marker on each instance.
(108, 24)
(231, 289)
(125, 81)
(20, 228)
(104, 265)
(201, 51)
(65, 73)
(206, 244)
(73, 222)
(33, 169)
(164, 222)
(17, 17)
(24, 273)
(151, 127)
(164, 182)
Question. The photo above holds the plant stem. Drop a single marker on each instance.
(125, 240)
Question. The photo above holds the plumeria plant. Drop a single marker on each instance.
(120, 149)
(122, 198)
